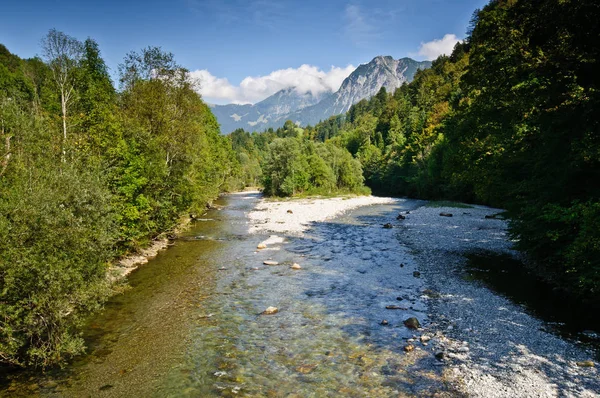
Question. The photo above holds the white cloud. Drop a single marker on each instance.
(256, 88)
(433, 49)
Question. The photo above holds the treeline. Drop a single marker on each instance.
(88, 173)
(287, 162)
(509, 119)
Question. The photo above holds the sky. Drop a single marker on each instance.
(245, 50)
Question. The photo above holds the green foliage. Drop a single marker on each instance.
(133, 162)
(508, 119)
(292, 161)
(56, 233)
(447, 203)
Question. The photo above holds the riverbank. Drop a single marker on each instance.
(294, 216)
(491, 346)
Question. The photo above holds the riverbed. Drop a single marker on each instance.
(192, 323)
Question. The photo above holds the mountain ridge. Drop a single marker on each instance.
(305, 108)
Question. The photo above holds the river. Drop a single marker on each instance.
(191, 323)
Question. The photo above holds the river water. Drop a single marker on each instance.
(191, 323)
(191, 326)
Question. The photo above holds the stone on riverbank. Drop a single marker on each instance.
(412, 323)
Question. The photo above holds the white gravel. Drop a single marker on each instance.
(274, 216)
(510, 352)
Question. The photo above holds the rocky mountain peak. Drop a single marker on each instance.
(306, 108)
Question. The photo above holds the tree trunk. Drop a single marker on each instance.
(63, 102)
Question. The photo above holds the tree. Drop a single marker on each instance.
(63, 53)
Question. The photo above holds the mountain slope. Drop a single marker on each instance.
(304, 109)
(272, 111)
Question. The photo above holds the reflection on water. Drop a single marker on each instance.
(509, 277)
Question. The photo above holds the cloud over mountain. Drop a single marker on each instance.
(306, 78)
(433, 49)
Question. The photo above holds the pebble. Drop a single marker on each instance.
(270, 311)
(585, 364)
(270, 262)
(409, 348)
(416, 274)
(425, 338)
(261, 246)
(296, 266)
(50, 384)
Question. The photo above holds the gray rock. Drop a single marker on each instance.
(412, 323)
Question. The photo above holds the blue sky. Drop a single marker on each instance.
(228, 41)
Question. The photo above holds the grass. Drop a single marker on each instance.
(447, 203)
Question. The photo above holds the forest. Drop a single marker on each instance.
(89, 173)
(510, 119)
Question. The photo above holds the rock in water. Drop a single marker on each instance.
(400, 217)
(417, 274)
(290, 212)
(388, 226)
(585, 364)
(384, 322)
(305, 369)
(270, 262)
(445, 214)
(270, 311)
(261, 246)
(296, 266)
(440, 355)
(409, 348)
(394, 307)
(412, 323)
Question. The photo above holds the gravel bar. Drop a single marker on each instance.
(491, 347)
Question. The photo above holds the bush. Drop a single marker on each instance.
(55, 243)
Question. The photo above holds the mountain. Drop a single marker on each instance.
(304, 109)
(270, 112)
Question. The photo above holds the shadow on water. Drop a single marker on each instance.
(509, 277)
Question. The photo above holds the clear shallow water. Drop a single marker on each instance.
(190, 324)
